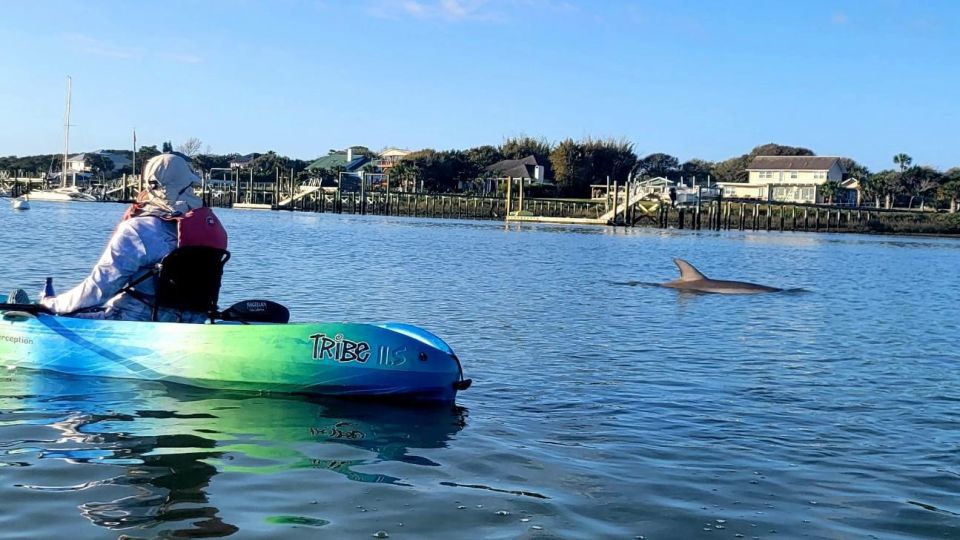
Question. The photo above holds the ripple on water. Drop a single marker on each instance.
(602, 408)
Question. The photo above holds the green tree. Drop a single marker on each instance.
(404, 174)
(658, 164)
(144, 153)
(852, 169)
(903, 160)
(829, 190)
(571, 168)
(773, 149)
(205, 162)
(883, 185)
(950, 188)
(917, 182)
(609, 158)
(363, 151)
(696, 168)
(732, 170)
(484, 156)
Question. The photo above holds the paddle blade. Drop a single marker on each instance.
(256, 311)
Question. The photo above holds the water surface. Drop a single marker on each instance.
(601, 408)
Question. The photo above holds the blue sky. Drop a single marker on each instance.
(699, 78)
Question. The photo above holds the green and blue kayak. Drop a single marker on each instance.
(388, 360)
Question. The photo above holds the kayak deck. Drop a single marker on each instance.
(339, 359)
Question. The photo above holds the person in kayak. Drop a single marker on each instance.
(151, 228)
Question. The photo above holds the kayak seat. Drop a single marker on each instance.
(187, 279)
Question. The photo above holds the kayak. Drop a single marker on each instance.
(387, 360)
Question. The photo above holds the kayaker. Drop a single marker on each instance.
(150, 230)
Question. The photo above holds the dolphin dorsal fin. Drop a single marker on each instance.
(687, 271)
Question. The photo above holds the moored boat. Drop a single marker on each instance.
(21, 203)
(389, 360)
(63, 194)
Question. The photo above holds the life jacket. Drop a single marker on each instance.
(198, 227)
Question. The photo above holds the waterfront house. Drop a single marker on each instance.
(339, 160)
(349, 167)
(526, 171)
(797, 179)
(80, 163)
(390, 157)
(243, 162)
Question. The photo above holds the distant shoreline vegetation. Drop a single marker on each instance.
(572, 165)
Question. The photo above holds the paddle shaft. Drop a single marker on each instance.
(34, 309)
(246, 311)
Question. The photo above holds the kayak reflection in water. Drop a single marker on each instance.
(167, 215)
(150, 455)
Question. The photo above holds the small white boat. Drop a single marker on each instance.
(63, 194)
(21, 203)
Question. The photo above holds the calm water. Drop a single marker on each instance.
(601, 408)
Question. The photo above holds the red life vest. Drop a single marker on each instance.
(199, 227)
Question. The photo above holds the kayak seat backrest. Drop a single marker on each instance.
(188, 279)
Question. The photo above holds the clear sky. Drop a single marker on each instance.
(695, 78)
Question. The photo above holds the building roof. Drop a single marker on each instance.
(119, 160)
(514, 168)
(243, 160)
(792, 163)
(394, 152)
(332, 161)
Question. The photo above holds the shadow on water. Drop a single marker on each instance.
(169, 442)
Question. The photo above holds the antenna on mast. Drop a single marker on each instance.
(66, 135)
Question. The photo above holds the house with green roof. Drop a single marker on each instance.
(339, 160)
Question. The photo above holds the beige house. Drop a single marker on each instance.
(390, 157)
(786, 179)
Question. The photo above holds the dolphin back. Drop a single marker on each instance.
(687, 271)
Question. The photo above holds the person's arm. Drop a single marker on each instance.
(123, 257)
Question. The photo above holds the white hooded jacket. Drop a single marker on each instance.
(135, 248)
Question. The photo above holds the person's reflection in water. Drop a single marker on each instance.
(170, 486)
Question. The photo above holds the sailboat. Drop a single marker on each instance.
(64, 192)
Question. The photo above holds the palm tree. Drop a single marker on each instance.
(903, 160)
(829, 190)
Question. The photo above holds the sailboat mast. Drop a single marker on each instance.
(66, 135)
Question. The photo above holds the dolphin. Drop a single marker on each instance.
(692, 280)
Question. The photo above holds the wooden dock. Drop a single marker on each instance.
(557, 219)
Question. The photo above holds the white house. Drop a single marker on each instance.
(786, 179)
(78, 163)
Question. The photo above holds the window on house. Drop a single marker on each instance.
(793, 175)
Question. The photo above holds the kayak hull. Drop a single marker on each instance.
(340, 359)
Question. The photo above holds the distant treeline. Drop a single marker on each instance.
(573, 165)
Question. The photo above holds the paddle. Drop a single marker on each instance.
(247, 311)
(33, 309)
(256, 311)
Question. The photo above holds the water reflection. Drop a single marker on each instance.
(170, 442)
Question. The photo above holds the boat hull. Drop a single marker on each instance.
(340, 359)
(62, 195)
